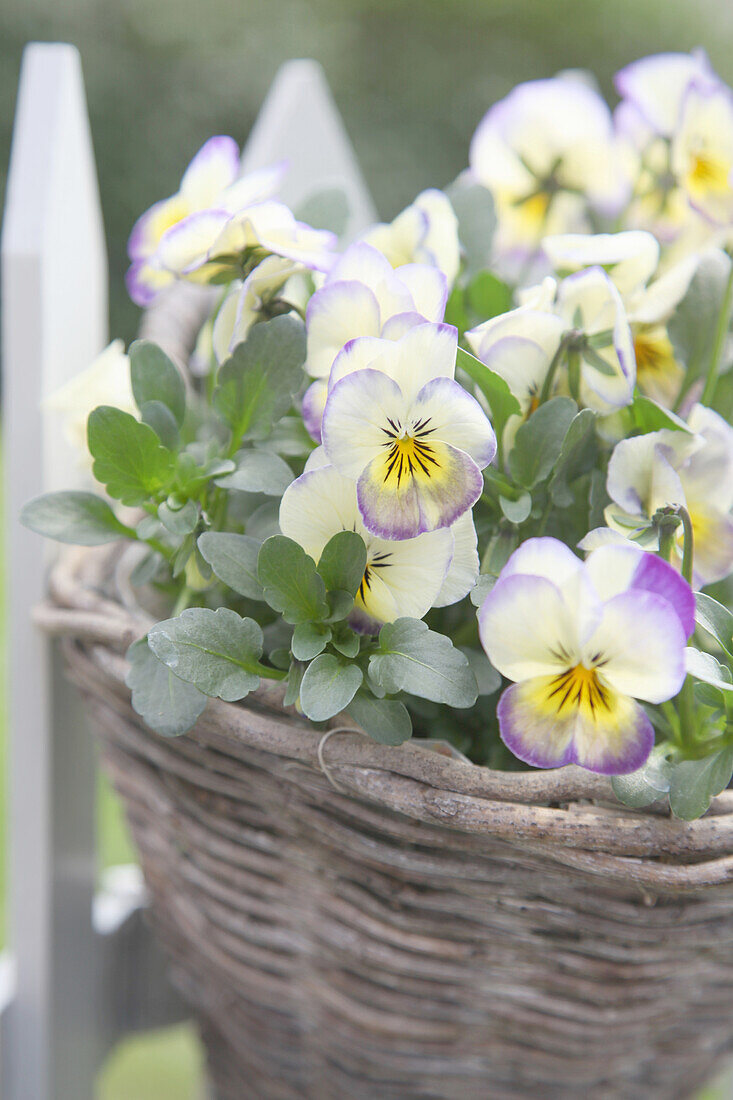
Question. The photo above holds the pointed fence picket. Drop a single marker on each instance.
(82, 970)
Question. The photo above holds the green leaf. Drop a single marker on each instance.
(340, 605)
(415, 659)
(82, 519)
(295, 679)
(489, 296)
(516, 511)
(648, 784)
(258, 472)
(179, 521)
(328, 686)
(577, 456)
(716, 619)
(484, 584)
(309, 639)
(474, 208)
(693, 324)
(487, 678)
(155, 378)
(648, 416)
(385, 720)
(538, 442)
(233, 559)
(326, 209)
(703, 666)
(256, 386)
(218, 651)
(168, 705)
(128, 457)
(346, 641)
(693, 783)
(290, 582)
(343, 562)
(502, 401)
(159, 417)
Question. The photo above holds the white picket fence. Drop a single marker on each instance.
(82, 970)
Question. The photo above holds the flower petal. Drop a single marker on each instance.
(617, 568)
(428, 287)
(526, 627)
(656, 85)
(356, 420)
(185, 246)
(337, 313)
(214, 167)
(464, 567)
(405, 577)
(615, 740)
(405, 493)
(630, 258)
(445, 412)
(314, 402)
(642, 642)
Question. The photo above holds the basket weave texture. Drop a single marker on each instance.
(352, 920)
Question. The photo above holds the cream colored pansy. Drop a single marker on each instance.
(546, 152)
(363, 296)
(631, 260)
(244, 302)
(105, 382)
(409, 435)
(402, 578)
(209, 182)
(702, 151)
(676, 468)
(426, 232)
(212, 242)
(583, 641)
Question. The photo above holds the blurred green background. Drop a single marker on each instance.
(411, 78)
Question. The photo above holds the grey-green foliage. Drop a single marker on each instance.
(169, 705)
(80, 518)
(218, 651)
(415, 659)
(256, 385)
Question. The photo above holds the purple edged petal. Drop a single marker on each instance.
(617, 568)
(615, 740)
(397, 502)
(314, 402)
(213, 168)
(451, 415)
(337, 313)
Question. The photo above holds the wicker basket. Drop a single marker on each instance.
(351, 920)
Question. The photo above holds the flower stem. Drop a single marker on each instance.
(686, 697)
(721, 331)
(184, 600)
(552, 370)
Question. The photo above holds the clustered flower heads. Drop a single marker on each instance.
(466, 471)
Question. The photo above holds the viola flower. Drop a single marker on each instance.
(426, 232)
(209, 181)
(409, 435)
(547, 152)
(583, 641)
(672, 124)
(656, 86)
(402, 578)
(363, 296)
(225, 241)
(673, 468)
(244, 302)
(702, 151)
(631, 259)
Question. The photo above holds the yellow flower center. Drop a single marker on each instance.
(577, 688)
(409, 455)
(534, 209)
(709, 172)
(378, 561)
(654, 351)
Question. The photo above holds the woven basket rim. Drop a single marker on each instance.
(571, 813)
